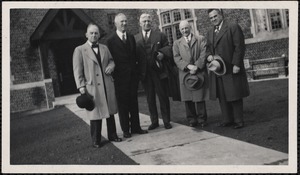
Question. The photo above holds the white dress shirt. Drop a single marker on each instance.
(120, 34)
(95, 49)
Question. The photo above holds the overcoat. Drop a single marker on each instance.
(159, 43)
(193, 54)
(230, 45)
(87, 72)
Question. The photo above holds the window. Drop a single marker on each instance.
(269, 20)
(111, 18)
(170, 19)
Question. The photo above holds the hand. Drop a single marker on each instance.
(160, 56)
(108, 70)
(192, 67)
(236, 69)
(210, 58)
(193, 72)
(82, 90)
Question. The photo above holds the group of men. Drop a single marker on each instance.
(110, 74)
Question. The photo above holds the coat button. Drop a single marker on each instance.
(97, 74)
(98, 83)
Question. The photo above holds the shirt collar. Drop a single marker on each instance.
(90, 43)
(144, 32)
(120, 34)
(220, 26)
(189, 37)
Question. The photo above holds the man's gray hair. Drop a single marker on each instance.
(184, 22)
(118, 15)
(145, 15)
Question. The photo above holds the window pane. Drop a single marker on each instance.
(261, 20)
(168, 32)
(176, 15)
(187, 13)
(177, 31)
(275, 19)
(166, 18)
(287, 17)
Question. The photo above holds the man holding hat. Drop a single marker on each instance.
(228, 80)
(93, 66)
(189, 56)
(152, 49)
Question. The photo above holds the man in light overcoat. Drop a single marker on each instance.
(93, 66)
(189, 56)
(226, 39)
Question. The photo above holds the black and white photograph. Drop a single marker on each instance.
(149, 86)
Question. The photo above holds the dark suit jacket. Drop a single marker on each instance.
(230, 45)
(159, 42)
(124, 56)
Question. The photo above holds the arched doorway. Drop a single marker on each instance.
(59, 33)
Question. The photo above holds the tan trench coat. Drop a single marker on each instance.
(184, 55)
(87, 72)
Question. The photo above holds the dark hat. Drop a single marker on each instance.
(217, 65)
(193, 81)
(85, 101)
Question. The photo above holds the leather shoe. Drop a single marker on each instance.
(193, 124)
(168, 126)
(126, 134)
(202, 124)
(225, 124)
(96, 145)
(140, 132)
(238, 125)
(115, 139)
(153, 126)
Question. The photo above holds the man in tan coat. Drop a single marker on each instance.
(92, 66)
(189, 56)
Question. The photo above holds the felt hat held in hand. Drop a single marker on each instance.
(193, 81)
(217, 65)
(85, 101)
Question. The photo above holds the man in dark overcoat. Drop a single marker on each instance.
(226, 39)
(152, 72)
(123, 49)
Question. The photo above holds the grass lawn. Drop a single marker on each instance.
(265, 115)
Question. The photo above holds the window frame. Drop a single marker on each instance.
(192, 20)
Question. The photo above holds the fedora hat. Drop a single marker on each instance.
(193, 81)
(85, 101)
(217, 65)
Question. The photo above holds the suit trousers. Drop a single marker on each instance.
(195, 111)
(128, 106)
(232, 111)
(153, 85)
(96, 127)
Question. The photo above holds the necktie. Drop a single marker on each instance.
(124, 38)
(217, 29)
(188, 41)
(146, 36)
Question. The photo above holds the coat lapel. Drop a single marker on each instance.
(89, 52)
(221, 32)
(101, 49)
(186, 47)
(193, 40)
(140, 40)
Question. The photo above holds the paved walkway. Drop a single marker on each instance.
(183, 145)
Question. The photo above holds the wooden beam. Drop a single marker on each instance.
(39, 31)
(64, 35)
